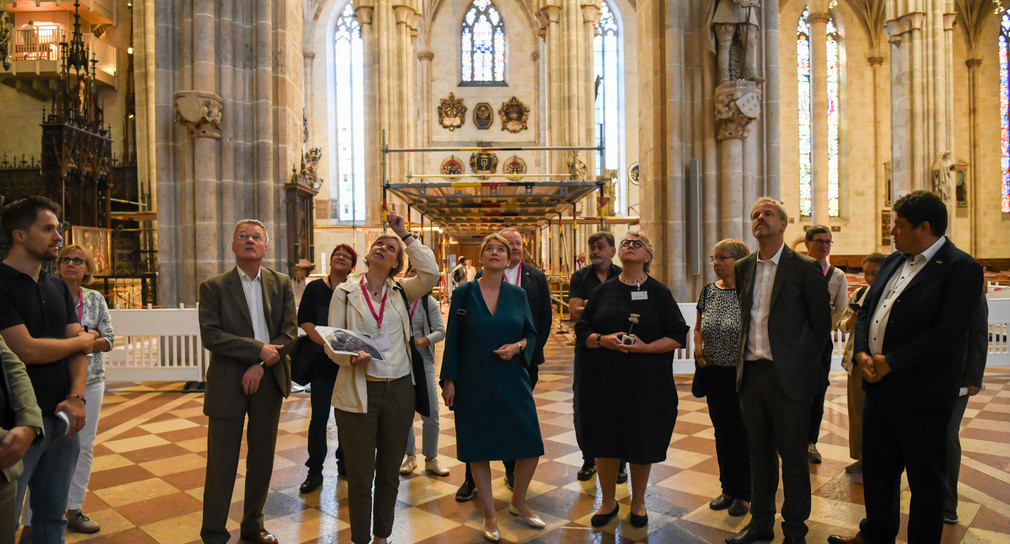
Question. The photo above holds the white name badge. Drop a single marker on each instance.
(639, 295)
(382, 342)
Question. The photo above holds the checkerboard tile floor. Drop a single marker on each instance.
(151, 454)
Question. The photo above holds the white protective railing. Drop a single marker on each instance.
(43, 44)
(156, 345)
(164, 344)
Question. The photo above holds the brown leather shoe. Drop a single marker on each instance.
(262, 537)
(854, 539)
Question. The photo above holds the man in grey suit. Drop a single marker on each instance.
(785, 318)
(247, 317)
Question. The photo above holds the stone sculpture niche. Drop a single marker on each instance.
(733, 27)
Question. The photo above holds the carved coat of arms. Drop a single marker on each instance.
(514, 115)
(483, 116)
(451, 112)
(483, 163)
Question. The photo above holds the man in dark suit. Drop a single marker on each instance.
(785, 318)
(538, 294)
(910, 346)
(247, 317)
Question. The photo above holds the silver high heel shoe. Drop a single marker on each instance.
(492, 536)
(533, 521)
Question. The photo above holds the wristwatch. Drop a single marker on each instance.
(520, 346)
(405, 236)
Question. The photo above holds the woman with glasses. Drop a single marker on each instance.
(76, 267)
(628, 398)
(487, 350)
(314, 310)
(374, 399)
(716, 350)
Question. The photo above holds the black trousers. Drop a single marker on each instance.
(776, 426)
(731, 448)
(580, 439)
(898, 438)
(817, 403)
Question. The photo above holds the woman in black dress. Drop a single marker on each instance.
(314, 310)
(716, 350)
(629, 399)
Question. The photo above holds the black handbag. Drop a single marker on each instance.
(421, 404)
(302, 355)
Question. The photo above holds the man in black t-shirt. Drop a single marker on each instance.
(39, 322)
(582, 284)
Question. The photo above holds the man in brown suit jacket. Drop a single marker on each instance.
(247, 317)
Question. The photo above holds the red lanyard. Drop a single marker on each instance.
(414, 307)
(382, 305)
(519, 271)
(80, 307)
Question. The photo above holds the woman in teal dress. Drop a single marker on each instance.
(486, 384)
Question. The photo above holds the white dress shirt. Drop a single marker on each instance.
(894, 287)
(253, 289)
(758, 344)
(512, 274)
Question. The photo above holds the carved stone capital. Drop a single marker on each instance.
(552, 13)
(590, 13)
(403, 15)
(199, 112)
(896, 28)
(819, 17)
(973, 63)
(875, 61)
(949, 20)
(363, 14)
(426, 55)
(737, 104)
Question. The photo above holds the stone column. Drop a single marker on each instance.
(921, 73)
(818, 21)
(972, 181)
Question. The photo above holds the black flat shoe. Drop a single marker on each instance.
(638, 521)
(751, 534)
(599, 520)
(721, 502)
(466, 492)
(312, 482)
(587, 472)
(622, 474)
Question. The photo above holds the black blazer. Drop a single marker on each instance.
(538, 294)
(799, 321)
(927, 332)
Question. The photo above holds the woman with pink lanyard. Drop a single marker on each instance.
(428, 329)
(374, 399)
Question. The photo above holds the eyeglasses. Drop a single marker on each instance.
(822, 242)
(75, 260)
(255, 237)
(713, 258)
(637, 244)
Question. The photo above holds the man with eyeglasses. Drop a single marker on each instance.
(247, 318)
(583, 282)
(818, 241)
(39, 323)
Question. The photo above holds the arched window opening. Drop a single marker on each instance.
(1004, 108)
(607, 72)
(804, 106)
(482, 34)
(347, 189)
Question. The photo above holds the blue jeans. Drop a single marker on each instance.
(321, 398)
(49, 467)
(429, 423)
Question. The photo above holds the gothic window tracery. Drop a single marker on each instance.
(804, 94)
(607, 71)
(482, 40)
(347, 187)
(1004, 107)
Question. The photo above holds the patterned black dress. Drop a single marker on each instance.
(629, 400)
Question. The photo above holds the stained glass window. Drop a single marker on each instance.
(607, 72)
(347, 187)
(482, 41)
(1004, 107)
(804, 94)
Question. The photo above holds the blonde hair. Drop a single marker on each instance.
(645, 241)
(89, 262)
(496, 237)
(399, 252)
(734, 247)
